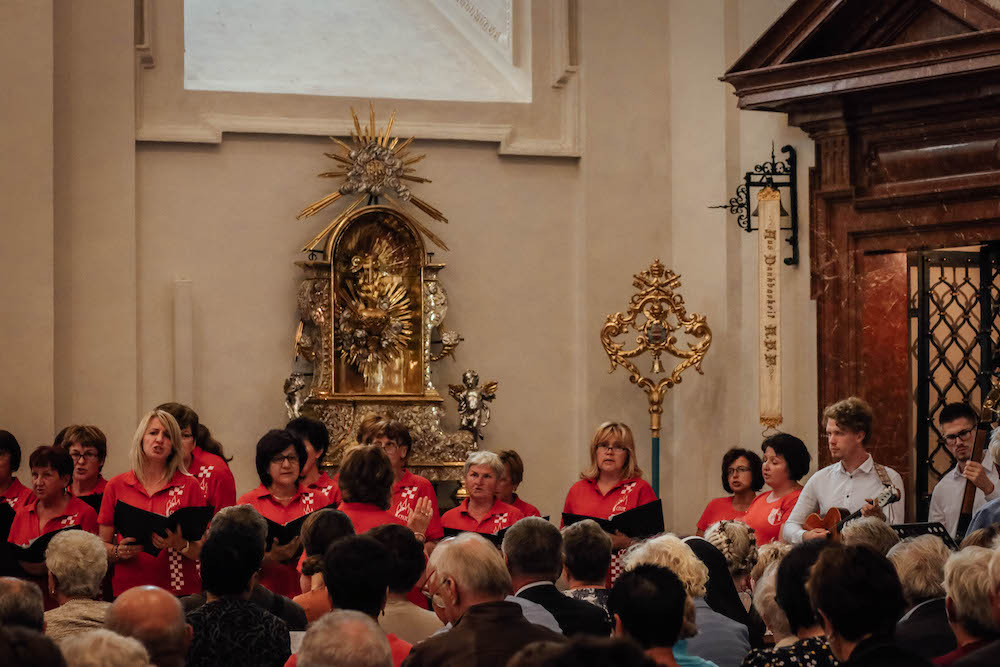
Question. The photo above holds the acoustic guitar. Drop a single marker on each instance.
(832, 521)
(983, 428)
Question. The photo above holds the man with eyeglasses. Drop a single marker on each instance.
(958, 426)
(853, 481)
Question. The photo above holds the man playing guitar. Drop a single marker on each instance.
(958, 425)
(852, 481)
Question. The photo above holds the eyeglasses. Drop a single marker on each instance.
(86, 456)
(281, 458)
(961, 435)
(737, 470)
(612, 448)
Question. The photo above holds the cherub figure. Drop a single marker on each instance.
(473, 412)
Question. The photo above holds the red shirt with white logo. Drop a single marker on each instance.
(17, 495)
(365, 516)
(215, 478)
(169, 569)
(767, 518)
(586, 499)
(282, 578)
(500, 516)
(405, 494)
(26, 529)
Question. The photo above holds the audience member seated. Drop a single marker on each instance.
(14, 494)
(366, 487)
(858, 597)
(316, 439)
(611, 485)
(532, 548)
(155, 618)
(356, 570)
(21, 604)
(513, 475)
(786, 461)
(772, 552)
(719, 639)
(77, 563)
(103, 648)
(967, 586)
(401, 617)
(923, 629)
(871, 532)
(648, 605)
(345, 638)
(721, 594)
(228, 628)
(319, 531)
(765, 603)
(157, 482)
(811, 648)
(28, 648)
(247, 520)
(481, 512)
(281, 498)
(408, 489)
(743, 478)
(988, 655)
(468, 581)
(982, 537)
(88, 448)
(583, 650)
(203, 457)
(586, 559)
(737, 543)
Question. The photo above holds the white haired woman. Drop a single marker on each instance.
(77, 562)
(481, 512)
(158, 482)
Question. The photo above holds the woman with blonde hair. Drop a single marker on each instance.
(612, 484)
(158, 482)
(737, 543)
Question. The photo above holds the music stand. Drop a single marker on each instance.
(905, 530)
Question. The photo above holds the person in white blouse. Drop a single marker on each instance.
(850, 483)
(958, 425)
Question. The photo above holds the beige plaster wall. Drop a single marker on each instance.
(542, 250)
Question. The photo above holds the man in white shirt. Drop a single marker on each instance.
(853, 481)
(958, 425)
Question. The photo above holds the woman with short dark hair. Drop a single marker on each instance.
(512, 478)
(319, 531)
(407, 487)
(12, 491)
(408, 621)
(366, 480)
(203, 457)
(786, 461)
(88, 447)
(742, 477)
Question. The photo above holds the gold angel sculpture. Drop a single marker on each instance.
(474, 413)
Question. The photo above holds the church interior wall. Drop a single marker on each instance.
(542, 249)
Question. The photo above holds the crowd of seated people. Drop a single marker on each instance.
(361, 568)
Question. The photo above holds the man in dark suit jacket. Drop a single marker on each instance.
(924, 630)
(533, 550)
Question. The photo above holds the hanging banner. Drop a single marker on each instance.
(769, 290)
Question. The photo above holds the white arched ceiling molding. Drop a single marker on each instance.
(503, 71)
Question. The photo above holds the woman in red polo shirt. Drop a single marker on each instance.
(481, 512)
(407, 488)
(612, 484)
(281, 498)
(742, 477)
(786, 461)
(88, 447)
(12, 491)
(316, 439)
(513, 475)
(52, 508)
(366, 487)
(209, 467)
(158, 482)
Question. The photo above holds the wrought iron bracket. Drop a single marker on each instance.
(772, 174)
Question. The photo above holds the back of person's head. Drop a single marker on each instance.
(474, 564)
(344, 639)
(77, 561)
(369, 426)
(790, 584)
(155, 618)
(982, 537)
(228, 562)
(871, 532)
(648, 601)
(772, 552)
(366, 477)
(319, 531)
(356, 571)
(919, 562)
(312, 430)
(967, 584)
(737, 542)
(766, 603)
(408, 559)
(103, 648)
(582, 650)
(533, 548)
(21, 604)
(586, 551)
(857, 591)
(10, 445)
(241, 519)
(25, 647)
(669, 551)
